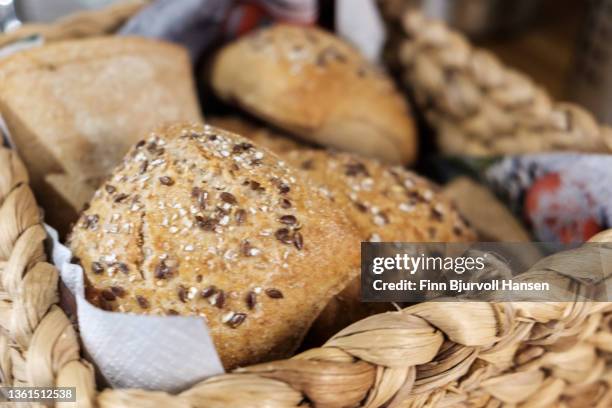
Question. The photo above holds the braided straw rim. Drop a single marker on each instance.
(431, 354)
(477, 105)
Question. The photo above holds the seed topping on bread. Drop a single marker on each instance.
(206, 223)
(387, 202)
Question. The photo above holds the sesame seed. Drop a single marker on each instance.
(374, 238)
(380, 220)
(406, 207)
(227, 316)
(142, 301)
(193, 291)
(110, 189)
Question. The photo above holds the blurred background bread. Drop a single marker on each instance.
(199, 221)
(316, 86)
(75, 107)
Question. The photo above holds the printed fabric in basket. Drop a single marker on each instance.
(564, 197)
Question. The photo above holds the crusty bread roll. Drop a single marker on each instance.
(198, 221)
(273, 140)
(386, 203)
(75, 107)
(313, 84)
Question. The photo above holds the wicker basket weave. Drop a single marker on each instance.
(477, 105)
(429, 355)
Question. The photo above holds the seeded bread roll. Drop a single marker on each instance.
(386, 204)
(198, 221)
(316, 86)
(74, 108)
(264, 137)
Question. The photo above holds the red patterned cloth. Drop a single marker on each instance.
(200, 24)
(564, 197)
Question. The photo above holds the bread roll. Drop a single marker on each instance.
(386, 204)
(314, 85)
(275, 141)
(75, 107)
(198, 221)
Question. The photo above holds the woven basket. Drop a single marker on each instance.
(476, 105)
(429, 355)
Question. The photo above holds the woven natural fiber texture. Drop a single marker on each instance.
(429, 355)
(476, 105)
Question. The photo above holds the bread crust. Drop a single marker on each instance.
(75, 107)
(270, 139)
(213, 226)
(386, 204)
(316, 86)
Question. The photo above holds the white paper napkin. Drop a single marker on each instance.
(168, 353)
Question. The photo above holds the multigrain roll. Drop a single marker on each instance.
(386, 203)
(273, 140)
(315, 85)
(199, 221)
